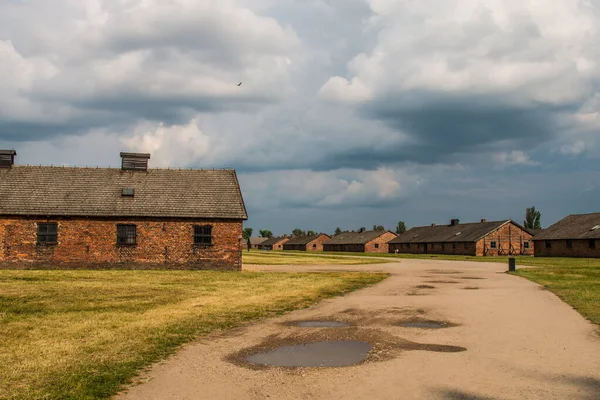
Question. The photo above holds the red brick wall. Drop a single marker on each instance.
(314, 245)
(504, 237)
(91, 243)
(380, 244)
(580, 248)
(456, 248)
(276, 246)
(350, 248)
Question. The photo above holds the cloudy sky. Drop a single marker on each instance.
(351, 112)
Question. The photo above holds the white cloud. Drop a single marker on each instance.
(176, 145)
(573, 149)
(342, 90)
(515, 157)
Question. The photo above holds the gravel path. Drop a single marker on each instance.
(503, 337)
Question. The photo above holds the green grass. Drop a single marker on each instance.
(82, 334)
(575, 281)
(257, 257)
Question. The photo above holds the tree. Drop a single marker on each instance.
(532, 218)
(401, 227)
(247, 233)
(266, 233)
(298, 232)
(310, 233)
(338, 231)
(378, 228)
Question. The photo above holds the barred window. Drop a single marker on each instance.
(548, 244)
(569, 244)
(203, 235)
(493, 245)
(126, 235)
(47, 233)
(526, 245)
(592, 243)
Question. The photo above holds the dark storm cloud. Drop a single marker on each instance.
(446, 129)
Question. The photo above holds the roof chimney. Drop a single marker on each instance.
(483, 220)
(362, 230)
(7, 158)
(454, 221)
(134, 161)
(432, 224)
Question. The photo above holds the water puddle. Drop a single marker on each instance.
(441, 281)
(425, 287)
(471, 288)
(320, 324)
(320, 354)
(425, 324)
(470, 277)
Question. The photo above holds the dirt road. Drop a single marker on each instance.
(520, 342)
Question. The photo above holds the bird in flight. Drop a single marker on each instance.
(239, 84)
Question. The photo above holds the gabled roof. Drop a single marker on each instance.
(272, 241)
(304, 240)
(355, 237)
(575, 226)
(257, 240)
(469, 232)
(96, 192)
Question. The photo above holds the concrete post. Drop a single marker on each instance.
(512, 264)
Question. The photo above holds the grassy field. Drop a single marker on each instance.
(257, 257)
(575, 281)
(81, 334)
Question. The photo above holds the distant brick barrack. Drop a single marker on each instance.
(132, 217)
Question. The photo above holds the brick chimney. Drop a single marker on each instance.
(432, 224)
(7, 158)
(483, 220)
(134, 161)
(454, 221)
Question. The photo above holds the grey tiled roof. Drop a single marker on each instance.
(68, 191)
(575, 226)
(272, 241)
(469, 232)
(304, 239)
(355, 237)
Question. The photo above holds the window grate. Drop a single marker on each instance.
(126, 235)
(493, 245)
(203, 235)
(47, 233)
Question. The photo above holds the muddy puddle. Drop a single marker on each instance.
(318, 324)
(338, 353)
(424, 287)
(470, 277)
(329, 348)
(471, 288)
(442, 281)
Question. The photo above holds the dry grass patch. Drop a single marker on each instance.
(81, 334)
(281, 258)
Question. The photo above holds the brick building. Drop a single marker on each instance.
(306, 243)
(132, 217)
(254, 242)
(360, 242)
(494, 238)
(274, 243)
(577, 235)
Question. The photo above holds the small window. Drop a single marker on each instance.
(127, 192)
(443, 246)
(453, 245)
(526, 245)
(548, 244)
(569, 244)
(592, 243)
(47, 233)
(408, 245)
(376, 245)
(466, 245)
(494, 245)
(126, 235)
(203, 235)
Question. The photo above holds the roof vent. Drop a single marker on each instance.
(457, 233)
(454, 221)
(432, 224)
(134, 161)
(128, 192)
(595, 228)
(7, 158)
(416, 235)
(483, 220)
